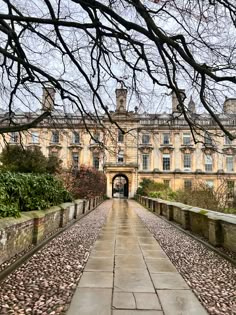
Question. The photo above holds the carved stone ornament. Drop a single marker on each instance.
(229, 150)
(55, 146)
(95, 148)
(166, 149)
(209, 150)
(187, 149)
(74, 146)
(145, 148)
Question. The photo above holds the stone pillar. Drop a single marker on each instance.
(215, 235)
(158, 207)
(170, 212)
(38, 229)
(185, 218)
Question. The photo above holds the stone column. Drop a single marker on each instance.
(214, 229)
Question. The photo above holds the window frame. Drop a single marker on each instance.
(163, 138)
(186, 136)
(55, 135)
(120, 157)
(95, 160)
(145, 136)
(145, 162)
(187, 157)
(120, 136)
(228, 164)
(75, 137)
(14, 137)
(207, 168)
(164, 162)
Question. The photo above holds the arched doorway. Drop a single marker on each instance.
(120, 186)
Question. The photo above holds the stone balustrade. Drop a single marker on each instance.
(18, 234)
(218, 228)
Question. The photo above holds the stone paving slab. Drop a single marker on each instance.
(132, 280)
(168, 280)
(91, 301)
(132, 312)
(128, 273)
(96, 279)
(182, 302)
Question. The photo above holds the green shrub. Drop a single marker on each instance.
(166, 194)
(26, 192)
(147, 185)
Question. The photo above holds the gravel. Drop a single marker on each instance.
(211, 277)
(46, 282)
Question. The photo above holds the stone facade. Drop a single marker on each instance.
(155, 146)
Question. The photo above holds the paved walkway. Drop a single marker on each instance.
(128, 273)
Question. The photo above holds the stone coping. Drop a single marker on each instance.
(35, 214)
(213, 215)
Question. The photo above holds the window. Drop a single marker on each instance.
(145, 139)
(230, 188)
(145, 161)
(208, 139)
(35, 137)
(166, 182)
(229, 163)
(120, 136)
(55, 137)
(166, 138)
(75, 160)
(166, 162)
(210, 183)
(227, 141)
(96, 161)
(14, 137)
(208, 163)
(96, 137)
(75, 138)
(186, 139)
(120, 157)
(187, 184)
(187, 161)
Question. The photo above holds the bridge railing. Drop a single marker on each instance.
(218, 228)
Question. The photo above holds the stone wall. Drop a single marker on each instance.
(32, 227)
(218, 228)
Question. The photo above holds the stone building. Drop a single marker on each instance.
(155, 146)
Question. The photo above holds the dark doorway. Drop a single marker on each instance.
(120, 186)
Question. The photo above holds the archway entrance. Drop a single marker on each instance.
(120, 186)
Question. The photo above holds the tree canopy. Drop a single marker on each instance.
(15, 158)
(82, 48)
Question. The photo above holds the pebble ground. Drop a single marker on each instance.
(45, 284)
(212, 278)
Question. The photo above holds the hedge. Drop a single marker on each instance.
(26, 192)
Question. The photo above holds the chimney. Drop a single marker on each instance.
(121, 99)
(175, 101)
(48, 98)
(229, 106)
(192, 106)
